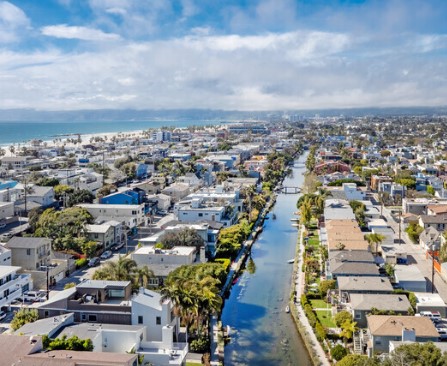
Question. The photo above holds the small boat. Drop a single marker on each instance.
(274, 216)
(296, 225)
(293, 219)
(291, 261)
(287, 309)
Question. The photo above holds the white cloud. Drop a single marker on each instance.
(293, 70)
(13, 22)
(74, 32)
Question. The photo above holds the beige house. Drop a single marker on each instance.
(30, 253)
(385, 328)
(34, 256)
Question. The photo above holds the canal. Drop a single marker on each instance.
(262, 333)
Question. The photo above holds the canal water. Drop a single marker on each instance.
(262, 333)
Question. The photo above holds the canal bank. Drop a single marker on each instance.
(261, 331)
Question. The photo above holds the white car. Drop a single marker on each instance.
(107, 254)
(33, 296)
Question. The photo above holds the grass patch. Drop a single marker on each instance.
(325, 318)
(317, 304)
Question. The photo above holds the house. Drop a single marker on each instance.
(163, 201)
(348, 269)
(338, 210)
(197, 210)
(377, 179)
(5, 256)
(131, 215)
(410, 278)
(103, 234)
(15, 162)
(385, 328)
(363, 285)
(330, 167)
(44, 196)
(12, 284)
(360, 305)
(436, 222)
(126, 197)
(337, 260)
(429, 237)
(14, 347)
(30, 253)
(177, 191)
(352, 192)
(6, 210)
(33, 255)
(162, 329)
(92, 301)
(344, 235)
(163, 261)
(426, 301)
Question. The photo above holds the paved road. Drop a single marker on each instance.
(417, 256)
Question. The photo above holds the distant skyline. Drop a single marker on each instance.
(222, 54)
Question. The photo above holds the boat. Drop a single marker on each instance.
(291, 261)
(293, 219)
(274, 216)
(296, 225)
(287, 309)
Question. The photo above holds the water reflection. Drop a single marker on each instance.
(262, 332)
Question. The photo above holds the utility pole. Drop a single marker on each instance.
(400, 227)
(433, 247)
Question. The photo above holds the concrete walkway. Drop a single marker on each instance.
(299, 285)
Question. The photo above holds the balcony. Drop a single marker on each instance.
(156, 353)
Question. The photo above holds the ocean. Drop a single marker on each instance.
(23, 132)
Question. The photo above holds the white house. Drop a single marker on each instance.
(162, 329)
(12, 284)
(149, 255)
(196, 210)
(352, 192)
(131, 215)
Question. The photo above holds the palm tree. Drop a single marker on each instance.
(374, 239)
(142, 276)
(121, 270)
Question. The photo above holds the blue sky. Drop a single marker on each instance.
(245, 55)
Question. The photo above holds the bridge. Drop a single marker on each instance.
(289, 190)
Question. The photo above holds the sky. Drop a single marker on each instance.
(222, 54)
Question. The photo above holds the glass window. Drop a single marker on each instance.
(158, 320)
(140, 319)
(92, 318)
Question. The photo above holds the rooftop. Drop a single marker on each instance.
(386, 325)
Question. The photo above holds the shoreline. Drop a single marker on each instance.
(138, 129)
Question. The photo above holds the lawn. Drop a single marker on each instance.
(314, 241)
(318, 304)
(325, 318)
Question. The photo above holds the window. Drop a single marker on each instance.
(83, 317)
(46, 314)
(92, 318)
(200, 214)
(140, 319)
(28, 252)
(158, 320)
(134, 212)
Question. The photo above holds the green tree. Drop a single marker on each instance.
(73, 343)
(342, 317)
(184, 237)
(326, 285)
(417, 354)
(348, 328)
(61, 190)
(63, 227)
(80, 196)
(24, 316)
(358, 360)
(121, 270)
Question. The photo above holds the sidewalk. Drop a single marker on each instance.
(299, 285)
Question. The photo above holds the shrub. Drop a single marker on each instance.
(200, 345)
(320, 332)
(24, 316)
(81, 262)
(69, 285)
(225, 262)
(338, 352)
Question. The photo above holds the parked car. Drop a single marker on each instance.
(2, 315)
(94, 262)
(2, 225)
(33, 296)
(107, 254)
(117, 247)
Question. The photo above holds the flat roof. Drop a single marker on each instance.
(150, 249)
(6, 270)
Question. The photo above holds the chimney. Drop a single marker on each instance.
(168, 337)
